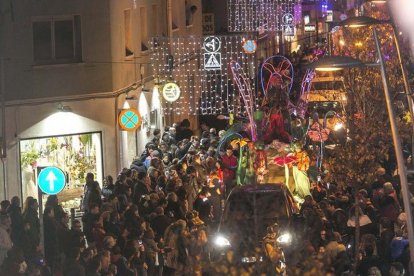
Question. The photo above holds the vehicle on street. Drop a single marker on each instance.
(251, 214)
(328, 99)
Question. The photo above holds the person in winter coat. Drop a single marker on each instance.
(142, 187)
(5, 241)
(71, 266)
(121, 263)
(91, 193)
(16, 217)
(160, 222)
(51, 237)
(31, 227)
(191, 186)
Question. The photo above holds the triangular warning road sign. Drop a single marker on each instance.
(213, 62)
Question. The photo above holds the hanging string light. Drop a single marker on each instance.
(208, 92)
(257, 15)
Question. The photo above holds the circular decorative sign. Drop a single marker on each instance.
(171, 92)
(129, 119)
(249, 46)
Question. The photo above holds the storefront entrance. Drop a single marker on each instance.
(74, 154)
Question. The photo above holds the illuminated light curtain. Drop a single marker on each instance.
(257, 15)
(203, 92)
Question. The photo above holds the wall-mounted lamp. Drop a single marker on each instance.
(64, 108)
(145, 90)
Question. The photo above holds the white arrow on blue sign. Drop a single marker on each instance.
(51, 180)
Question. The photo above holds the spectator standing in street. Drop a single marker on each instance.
(16, 217)
(91, 190)
(31, 227)
(51, 237)
(5, 241)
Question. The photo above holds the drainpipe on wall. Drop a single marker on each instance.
(3, 126)
(117, 144)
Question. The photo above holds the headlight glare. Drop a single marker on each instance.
(285, 238)
(221, 241)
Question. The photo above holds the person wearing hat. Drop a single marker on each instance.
(215, 198)
(388, 205)
(377, 185)
(213, 133)
(203, 205)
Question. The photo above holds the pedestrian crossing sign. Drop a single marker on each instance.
(212, 61)
(288, 30)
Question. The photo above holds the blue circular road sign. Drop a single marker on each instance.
(51, 180)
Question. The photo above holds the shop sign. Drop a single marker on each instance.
(51, 180)
(212, 55)
(208, 23)
(329, 16)
(310, 28)
(129, 119)
(249, 46)
(171, 92)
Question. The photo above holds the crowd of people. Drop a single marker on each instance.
(362, 232)
(156, 218)
(151, 220)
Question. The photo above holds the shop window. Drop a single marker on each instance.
(155, 20)
(154, 118)
(175, 17)
(76, 155)
(128, 34)
(57, 40)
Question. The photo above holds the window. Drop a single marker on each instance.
(189, 11)
(155, 20)
(57, 40)
(128, 34)
(144, 29)
(154, 118)
(175, 17)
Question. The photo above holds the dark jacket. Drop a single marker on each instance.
(72, 267)
(159, 224)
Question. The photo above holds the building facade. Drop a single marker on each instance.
(69, 68)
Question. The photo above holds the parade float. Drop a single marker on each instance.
(278, 139)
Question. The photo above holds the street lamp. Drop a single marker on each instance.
(337, 63)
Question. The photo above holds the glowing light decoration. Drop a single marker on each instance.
(241, 79)
(277, 71)
(256, 15)
(171, 92)
(203, 92)
(249, 46)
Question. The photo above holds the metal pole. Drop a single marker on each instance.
(3, 153)
(398, 153)
(406, 87)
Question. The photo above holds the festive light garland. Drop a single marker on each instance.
(205, 92)
(258, 15)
